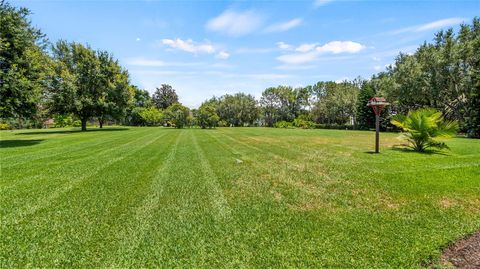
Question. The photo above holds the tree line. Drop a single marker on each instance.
(69, 80)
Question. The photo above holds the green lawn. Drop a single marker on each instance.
(230, 197)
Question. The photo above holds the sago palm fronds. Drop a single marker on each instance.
(425, 128)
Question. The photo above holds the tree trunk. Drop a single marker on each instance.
(84, 124)
(100, 121)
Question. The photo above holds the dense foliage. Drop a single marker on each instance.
(87, 84)
(444, 75)
(176, 115)
(425, 128)
(76, 81)
(164, 96)
(207, 116)
(24, 65)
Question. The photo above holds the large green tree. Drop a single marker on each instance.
(283, 103)
(207, 116)
(87, 83)
(176, 115)
(335, 103)
(117, 92)
(141, 101)
(24, 65)
(239, 109)
(165, 96)
(365, 115)
(444, 74)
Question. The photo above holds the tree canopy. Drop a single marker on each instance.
(24, 63)
(88, 83)
(164, 96)
(73, 80)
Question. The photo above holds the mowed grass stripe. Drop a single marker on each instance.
(324, 202)
(132, 231)
(181, 228)
(25, 190)
(114, 154)
(215, 192)
(82, 144)
(262, 222)
(95, 203)
(63, 163)
(46, 140)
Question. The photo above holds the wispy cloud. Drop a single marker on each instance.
(284, 26)
(146, 62)
(228, 75)
(189, 46)
(194, 47)
(306, 47)
(222, 55)
(309, 54)
(298, 58)
(235, 23)
(430, 26)
(319, 3)
(284, 46)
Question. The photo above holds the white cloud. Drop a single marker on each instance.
(284, 26)
(439, 24)
(318, 3)
(336, 47)
(235, 23)
(222, 55)
(377, 67)
(137, 39)
(306, 47)
(284, 46)
(298, 58)
(189, 46)
(430, 26)
(309, 53)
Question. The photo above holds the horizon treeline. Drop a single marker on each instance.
(76, 85)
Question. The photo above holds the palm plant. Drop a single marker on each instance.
(425, 128)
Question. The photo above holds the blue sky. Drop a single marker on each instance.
(206, 48)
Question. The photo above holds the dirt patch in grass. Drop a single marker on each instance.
(464, 253)
(447, 203)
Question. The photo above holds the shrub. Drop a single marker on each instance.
(176, 115)
(207, 116)
(283, 124)
(151, 116)
(334, 126)
(304, 124)
(60, 121)
(425, 127)
(4, 126)
(223, 123)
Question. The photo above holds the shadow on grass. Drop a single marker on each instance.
(73, 131)
(406, 149)
(371, 152)
(19, 143)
